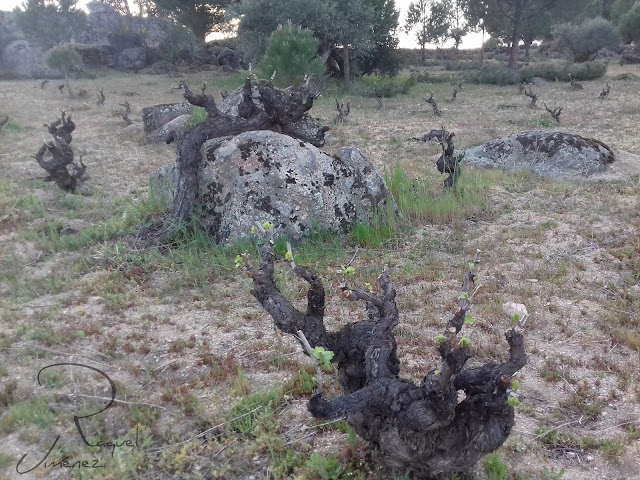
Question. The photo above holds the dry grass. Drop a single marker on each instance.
(184, 340)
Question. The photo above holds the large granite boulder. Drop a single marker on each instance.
(20, 59)
(554, 154)
(261, 176)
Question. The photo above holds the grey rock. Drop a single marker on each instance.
(226, 56)
(263, 176)
(155, 116)
(20, 59)
(606, 54)
(554, 154)
(132, 58)
(630, 56)
(178, 125)
(9, 31)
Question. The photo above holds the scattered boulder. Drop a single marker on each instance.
(554, 154)
(179, 125)
(226, 56)
(156, 116)
(132, 58)
(260, 176)
(630, 56)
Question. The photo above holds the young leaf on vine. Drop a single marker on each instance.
(323, 356)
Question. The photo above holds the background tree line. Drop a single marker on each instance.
(356, 37)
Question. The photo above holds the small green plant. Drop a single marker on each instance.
(292, 53)
(494, 467)
(64, 58)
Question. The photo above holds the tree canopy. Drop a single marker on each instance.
(200, 16)
(50, 22)
(348, 30)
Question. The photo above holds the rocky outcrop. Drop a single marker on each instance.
(554, 154)
(261, 176)
(132, 58)
(630, 56)
(20, 59)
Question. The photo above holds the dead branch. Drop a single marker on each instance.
(532, 96)
(576, 85)
(555, 113)
(44, 83)
(343, 112)
(417, 427)
(605, 92)
(61, 88)
(3, 121)
(60, 165)
(101, 97)
(521, 87)
(434, 105)
(454, 94)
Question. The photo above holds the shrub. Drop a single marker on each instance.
(630, 25)
(494, 75)
(586, 39)
(385, 86)
(564, 72)
(63, 58)
(462, 65)
(291, 52)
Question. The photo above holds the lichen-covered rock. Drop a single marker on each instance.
(263, 176)
(155, 116)
(554, 154)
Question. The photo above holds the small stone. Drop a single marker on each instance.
(589, 458)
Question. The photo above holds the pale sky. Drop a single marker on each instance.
(473, 40)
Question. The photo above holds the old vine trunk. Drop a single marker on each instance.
(282, 109)
(422, 428)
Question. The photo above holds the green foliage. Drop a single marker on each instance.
(198, 115)
(564, 72)
(422, 199)
(323, 356)
(292, 52)
(50, 23)
(200, 16)
(630, 25)
(34, 412)
(387, 87)
(63, 58)
(586, 39)
(494, 74)
(495, 468)
(323, 468)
